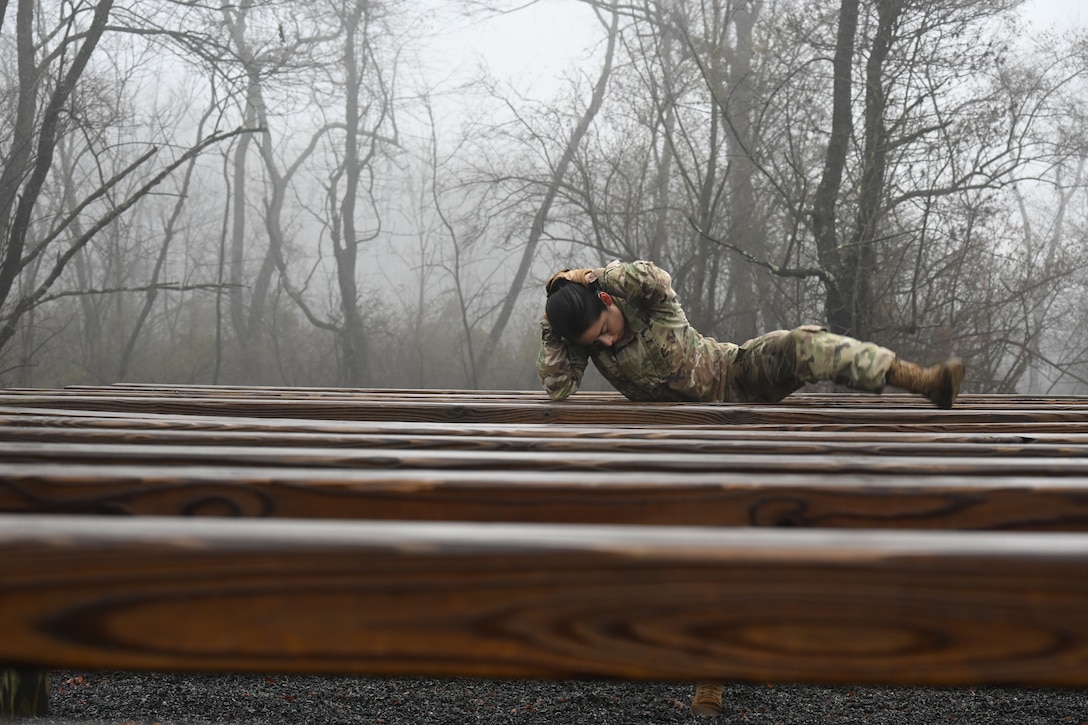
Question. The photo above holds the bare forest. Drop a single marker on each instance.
(298, 192)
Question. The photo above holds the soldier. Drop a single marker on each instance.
(627, 318)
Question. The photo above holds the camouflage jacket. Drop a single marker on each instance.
(661, 356)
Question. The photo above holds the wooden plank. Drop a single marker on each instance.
(887, 425)
(889, 403)
(14, 418)
(855, 500)
(571, 461)
(892, 397)
(582, 399)
(617, 412)
(552, 601)
(55, 429)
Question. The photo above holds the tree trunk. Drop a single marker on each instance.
(536, 230)
(14, 225)
(248, 321)
(666, 112)
(825, 203)
(859, 261)
(743, 232)
(351, 338)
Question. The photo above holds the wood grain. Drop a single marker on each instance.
(541, 411)
(572, 461)
(399, 598)
(887, 423)
(837, 539)
(858, 500)
(56, 429)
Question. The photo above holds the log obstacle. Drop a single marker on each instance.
(831, 539)
(545, 600)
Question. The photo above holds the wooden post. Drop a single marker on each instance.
(24, 693)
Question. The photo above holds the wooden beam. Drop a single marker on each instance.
(616, 412)
(553, 601)
(884, 425)
(570, 461)
(892, 397)
(845, 500)
(76, 430)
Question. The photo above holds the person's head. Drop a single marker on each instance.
(585, 316)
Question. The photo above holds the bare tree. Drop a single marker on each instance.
(29, 155)
(259, 63)
(50, 213)
(368, 108)
(552, 186)
(344, 152)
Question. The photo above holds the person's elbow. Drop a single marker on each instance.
(559, 389)
(559, 395)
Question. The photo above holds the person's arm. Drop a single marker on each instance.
(642, 283)
(560, 365)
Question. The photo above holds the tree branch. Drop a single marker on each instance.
(791, 272)
(32, 299)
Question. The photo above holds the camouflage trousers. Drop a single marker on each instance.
(770, 367)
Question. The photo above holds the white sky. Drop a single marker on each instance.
(1068, 13)
(530, 48)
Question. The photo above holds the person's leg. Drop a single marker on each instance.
(770, 367)
(764, 370)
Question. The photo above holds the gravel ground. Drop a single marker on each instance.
(113, 698)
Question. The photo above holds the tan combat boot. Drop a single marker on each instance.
(940, 383)
(708, 699)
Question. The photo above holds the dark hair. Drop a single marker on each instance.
(572, 308)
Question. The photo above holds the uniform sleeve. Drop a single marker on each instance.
(642, 283)
(559, 364)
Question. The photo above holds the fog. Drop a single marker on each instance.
(372, 194)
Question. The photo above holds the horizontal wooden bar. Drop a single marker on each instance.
(551, 601)
(843, 500)
(888, 425)
(616, 412)
(846, 400)
(892, 397)
(571, 461)
(15, 417)
(58, 430)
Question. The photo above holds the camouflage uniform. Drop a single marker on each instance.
(662, 357)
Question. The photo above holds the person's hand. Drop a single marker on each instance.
(580, 276)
